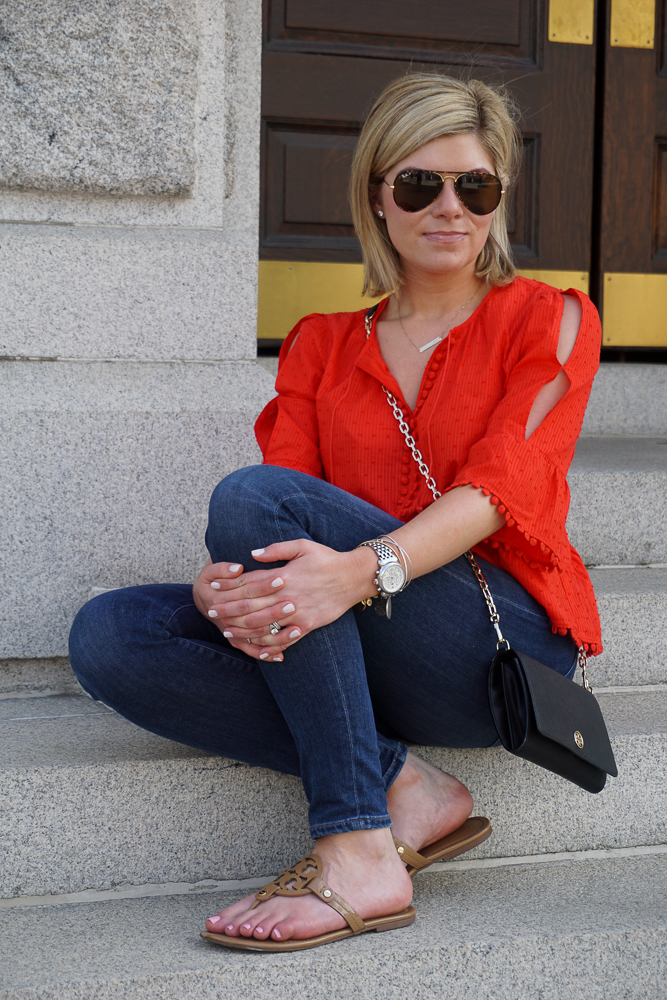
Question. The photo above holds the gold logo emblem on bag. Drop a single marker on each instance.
(578, 739)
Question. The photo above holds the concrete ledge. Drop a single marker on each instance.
(628, 399)
(43, 677)
(146, 294)
(633, 613)
(88, 800)
(618, 511)
(595, 930)
(225, 121)
(107, 473)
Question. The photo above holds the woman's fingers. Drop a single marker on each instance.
(272, 653)
(282, 551)
(248, 586)
(253, 616)
(218, 574)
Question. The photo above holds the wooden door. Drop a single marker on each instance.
(324, 64)
(630, 271)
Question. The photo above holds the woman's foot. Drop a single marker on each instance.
(426, 804)
(362, 867)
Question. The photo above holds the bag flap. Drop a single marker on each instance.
(568, 714)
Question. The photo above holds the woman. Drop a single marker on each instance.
(275, 657)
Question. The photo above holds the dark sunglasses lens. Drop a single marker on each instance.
(480, 193)
(416, 189)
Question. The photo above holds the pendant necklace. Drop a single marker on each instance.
(436, 340)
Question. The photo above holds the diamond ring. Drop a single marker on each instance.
(274, 628)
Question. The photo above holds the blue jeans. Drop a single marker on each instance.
(336, 711)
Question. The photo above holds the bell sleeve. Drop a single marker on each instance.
(287, 429)
(526, 479)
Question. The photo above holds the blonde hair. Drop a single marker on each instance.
(414, 110)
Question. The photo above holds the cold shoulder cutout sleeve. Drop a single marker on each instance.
(526, 479)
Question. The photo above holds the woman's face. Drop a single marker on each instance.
(444, 237)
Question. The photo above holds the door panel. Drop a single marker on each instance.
(633, 236)
(399, 20)
(323, 66)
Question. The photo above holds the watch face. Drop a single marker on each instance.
(391, 578)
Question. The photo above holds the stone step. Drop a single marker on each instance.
(633, 611)
(574, 929)
(628, 399)
(106, 476)
(632, 604)
(618, 513)
(87, 800)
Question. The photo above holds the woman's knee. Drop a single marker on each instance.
(107, 636)
(242, 508)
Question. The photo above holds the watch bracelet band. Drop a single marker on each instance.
(384, 551)
(403, 556)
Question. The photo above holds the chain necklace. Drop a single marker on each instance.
(436, 340)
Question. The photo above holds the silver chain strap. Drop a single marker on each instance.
(430, 482)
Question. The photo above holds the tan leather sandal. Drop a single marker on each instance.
(474, 831)
(306, 876)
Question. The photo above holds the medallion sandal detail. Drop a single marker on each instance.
(473, 832)
(304, 877)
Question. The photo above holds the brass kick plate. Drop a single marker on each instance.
(632, 24)
(571, 21)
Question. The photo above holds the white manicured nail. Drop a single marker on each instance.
(263, 656)
(228, 635)
(257, 552)
(288, 609)
(277, 582)
(295, 633)
(277, 659)
(212, 613)
(235, 568)
(215, 585)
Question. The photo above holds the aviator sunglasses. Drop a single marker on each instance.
(479, 192)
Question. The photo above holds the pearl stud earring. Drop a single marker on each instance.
(381, 214)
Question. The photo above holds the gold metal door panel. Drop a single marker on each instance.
(289, 290)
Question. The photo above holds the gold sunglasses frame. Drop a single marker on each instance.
(443, 175)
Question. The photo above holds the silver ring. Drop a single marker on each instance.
(250, 641)
(274, 628)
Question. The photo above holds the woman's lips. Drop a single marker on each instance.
(445, 237)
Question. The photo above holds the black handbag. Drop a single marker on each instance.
(539, 714)
(547, 719)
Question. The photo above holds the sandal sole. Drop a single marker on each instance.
(389, 923)
(471, 834)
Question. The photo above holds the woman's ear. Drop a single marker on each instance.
(376, 204)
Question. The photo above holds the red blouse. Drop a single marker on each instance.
(331, 419)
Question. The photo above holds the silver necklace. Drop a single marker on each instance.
(436, 340)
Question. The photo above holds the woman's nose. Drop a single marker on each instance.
(447, 203)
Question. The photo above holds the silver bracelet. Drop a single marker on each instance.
(403, 556)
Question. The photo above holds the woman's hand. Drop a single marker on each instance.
(217, 580)
(316, 586)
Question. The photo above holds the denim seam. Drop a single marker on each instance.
(176, 611)
(396, 765)
(350, 825)
(350, 741)
(333, 657)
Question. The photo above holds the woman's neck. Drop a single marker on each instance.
(430, 297)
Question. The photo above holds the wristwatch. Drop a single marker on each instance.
(390, 577)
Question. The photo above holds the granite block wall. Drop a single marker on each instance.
(128, 273)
